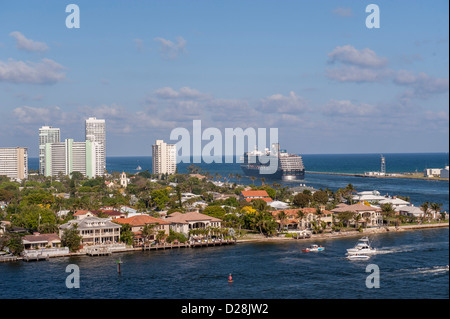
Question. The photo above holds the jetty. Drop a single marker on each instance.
(387, 175)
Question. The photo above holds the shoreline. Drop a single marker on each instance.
(401, 175)
(345, 234)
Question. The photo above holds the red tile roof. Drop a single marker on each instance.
(82, 212)
(254, 194)
(141, 220)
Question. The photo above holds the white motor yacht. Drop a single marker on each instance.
(357, 257)
(362, 247)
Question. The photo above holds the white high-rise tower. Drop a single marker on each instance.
(47, 134)
(164, 158)
(96, 133)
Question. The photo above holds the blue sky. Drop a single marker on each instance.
(312, 69)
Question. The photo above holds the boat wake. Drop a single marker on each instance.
(436, 270)
(408, 248)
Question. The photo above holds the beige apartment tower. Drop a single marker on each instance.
(164, 158)
(14, 162)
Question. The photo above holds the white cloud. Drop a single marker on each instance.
(348, 108)
(42, 115)
(22, 43)
(278, 103)
(44, 72)
(347, 54)
(183, 93)
(170, 50)
(422, 84)
(357, 74)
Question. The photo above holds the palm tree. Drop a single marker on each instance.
(282, 218)
(387, 211)
(436, 207)
(300, 216)
(426, 209)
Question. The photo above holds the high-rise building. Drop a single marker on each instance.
(14, 162)
(164, 158)
(47, 134)
(96, 132)
(69, 156)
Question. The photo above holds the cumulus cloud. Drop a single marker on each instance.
(42, 115)
(44, 72)
(357, 74)
(421, 84)
(23, 43)
(171, 50)
(347, 54)
(278, 103)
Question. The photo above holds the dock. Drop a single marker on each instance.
(35, 258)
(188, 245)
(8, 258)
(98, 251)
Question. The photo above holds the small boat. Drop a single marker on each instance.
(357, 257)
(362, 247)
(138, 168)
(314, 248)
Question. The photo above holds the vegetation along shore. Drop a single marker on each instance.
(44, 217)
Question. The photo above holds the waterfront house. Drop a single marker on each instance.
(138, 222)
(293, 220)
(395, 202)
(39, 241)
(183, 223)
(94, 230)
(368, 196)
(371, 216)
(258, 194)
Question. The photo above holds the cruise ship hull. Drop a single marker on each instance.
(278, 175)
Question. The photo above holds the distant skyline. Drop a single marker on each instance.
(312, 69)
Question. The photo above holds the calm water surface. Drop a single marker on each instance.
(412, 265)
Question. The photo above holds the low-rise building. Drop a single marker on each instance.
(138, 223)
(39, 241)
(370, 215)
(94, 230)
(183, 223)
(258, 194)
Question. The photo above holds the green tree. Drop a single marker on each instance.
(302, 200)
(71, 239)
(126, 235)
(320, 197)
(14, 243)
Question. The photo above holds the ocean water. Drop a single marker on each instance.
(411, 264)
(419, 191)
